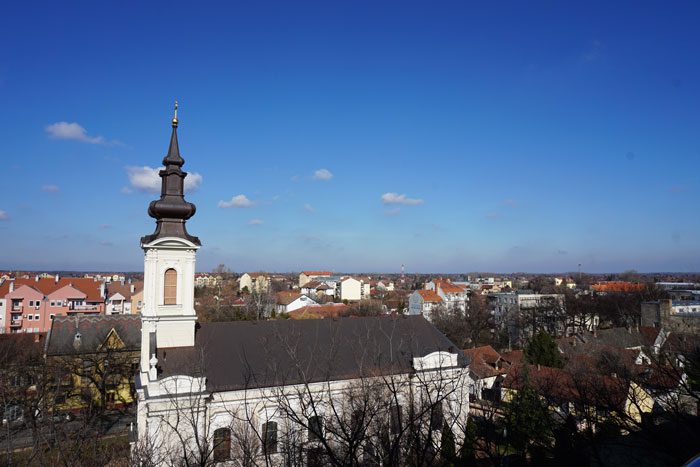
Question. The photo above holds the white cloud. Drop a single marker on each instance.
(238, 201)
(395, 198)
(126, 190)
(65, 130)
(147, 179)
(255, 222)
(3, 215)
(50, 188)
(323, 174)
(309, 208)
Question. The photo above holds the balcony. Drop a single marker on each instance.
(16, 322)
(17, 307)
(84, 308)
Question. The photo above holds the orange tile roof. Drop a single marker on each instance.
(617, 286)
(286, 297)
(429, 295)
(317, 273)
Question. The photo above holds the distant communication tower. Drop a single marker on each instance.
(403, 272)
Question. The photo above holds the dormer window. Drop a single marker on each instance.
(170, 287)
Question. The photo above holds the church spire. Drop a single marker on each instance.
(171, 211)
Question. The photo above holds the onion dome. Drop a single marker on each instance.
(171, 211)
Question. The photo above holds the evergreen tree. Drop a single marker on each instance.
(543, 350)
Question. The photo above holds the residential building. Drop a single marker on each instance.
(453, 296)
(207, 280)
(288, 301)
(675, 315)
(487, 370)
(101, 353)
(119, 298)
(350, 289)
(424, 302)
(137, 297)
(306, 276)
(254, 282)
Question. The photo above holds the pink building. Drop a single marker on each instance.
(30, 305)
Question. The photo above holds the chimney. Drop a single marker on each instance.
(56, 279)
(132, 288)
(12, 286)
(36, 278)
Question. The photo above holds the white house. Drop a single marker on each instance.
(287, 301)
(423, 302)
(454, 296)
(350, 289)
(266, 391)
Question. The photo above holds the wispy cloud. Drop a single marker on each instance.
(105, 226)
(146, 179)
(392, 212)
(3, 215)
(238, 201)
(493, 215)
(395, 198)
(50, 188)
(562, 252)
(677, 189)
(511, 203)
(309, 208)
(106, 243)
(255, 222)
(126, 190)
(323, 174)
(74, 131)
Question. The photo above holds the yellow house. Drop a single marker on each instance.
(97, 357)
(588, 396)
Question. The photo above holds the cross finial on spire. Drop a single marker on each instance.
(175, 117)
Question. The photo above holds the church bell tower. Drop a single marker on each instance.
(168, 317)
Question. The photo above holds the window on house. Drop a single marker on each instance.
(222, 445)
(269, 431)
(170, 287)
(31, 302)
(30, 317)
(395, 419)
(315, 428)
(437, 418)
(36, 317)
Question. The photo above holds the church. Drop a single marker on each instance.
(343, 391)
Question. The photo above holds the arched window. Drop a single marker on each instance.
(222, 445)
(170, 287)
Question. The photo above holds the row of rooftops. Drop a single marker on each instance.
(93, 290)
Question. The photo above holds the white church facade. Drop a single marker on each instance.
(347, 391)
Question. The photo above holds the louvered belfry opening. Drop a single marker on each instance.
(170, 287)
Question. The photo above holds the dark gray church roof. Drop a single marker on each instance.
(93, 330)
(247, 354)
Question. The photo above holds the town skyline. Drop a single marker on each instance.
(399, 138)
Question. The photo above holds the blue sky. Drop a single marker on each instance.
(356, 136)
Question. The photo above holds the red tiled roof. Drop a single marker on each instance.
(617, 286)
(429, 295)
(286, 297)
(484, 361)
(513, 357)
(448, 287)
(317, 273)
